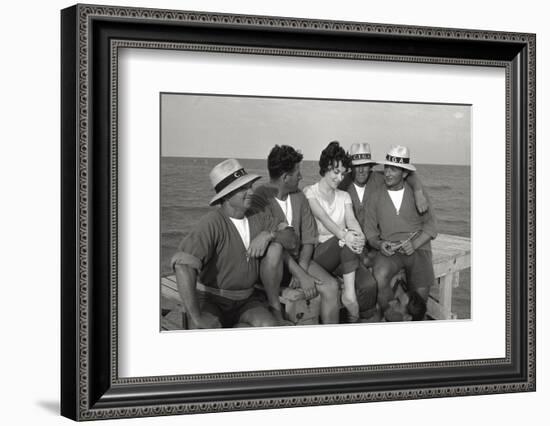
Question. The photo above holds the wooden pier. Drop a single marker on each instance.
(451, 254)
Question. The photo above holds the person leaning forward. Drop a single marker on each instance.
(282, 198)
(218, 264)
(400, 234)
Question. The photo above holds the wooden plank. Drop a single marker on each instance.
(454, 265)
(170, 282)
(437, 311)
(446, 292)
(445, 253)
(176, 319)
(172, 321)
(448, 239)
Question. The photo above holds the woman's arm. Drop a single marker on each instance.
(357, 240)
(306, 253)
(351, 221)
(325, 219)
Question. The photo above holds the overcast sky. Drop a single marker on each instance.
(247, 127)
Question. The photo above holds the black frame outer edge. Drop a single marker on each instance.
(104, 394)
(520, 208)
(69, 189)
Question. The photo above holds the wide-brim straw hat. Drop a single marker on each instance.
(360, 154)
(227, 177)
(398, 156)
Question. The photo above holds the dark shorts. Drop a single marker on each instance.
(418, 267)
(365, 289)
(330, 256)
(228, 311)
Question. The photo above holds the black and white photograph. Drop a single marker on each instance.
(280, 211)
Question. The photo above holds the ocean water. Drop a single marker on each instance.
(185, 192)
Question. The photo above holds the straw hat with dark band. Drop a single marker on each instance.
(360, 154)
(227, 177)
(398, 156)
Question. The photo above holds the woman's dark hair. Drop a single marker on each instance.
(416, 306)
(331, 156)
(282, 159)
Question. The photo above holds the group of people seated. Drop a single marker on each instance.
(343, 239)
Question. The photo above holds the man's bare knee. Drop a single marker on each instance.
(329, 287)
(273, 255)
(383, 276)
(267, 323)
(424, 292)
(263, 321)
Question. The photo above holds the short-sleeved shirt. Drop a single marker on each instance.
(383, 221)
(335, 210)
(216, 250)
(303, 221)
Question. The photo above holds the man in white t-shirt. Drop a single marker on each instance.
(218, 263)
(282, 198)
(400, 234)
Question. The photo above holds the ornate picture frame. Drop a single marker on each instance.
(91, 39)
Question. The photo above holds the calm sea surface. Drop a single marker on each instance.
(186, 191)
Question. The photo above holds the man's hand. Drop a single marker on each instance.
(407, 248)
(294, 283)
(258, 245)
(205, 320)
(355, 241)
(358, 243)
(386, 248)
(308, 285)
(421, 202)
(288, 239)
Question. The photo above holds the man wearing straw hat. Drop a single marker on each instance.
(218, 264)
(400, 234)
(361, 183)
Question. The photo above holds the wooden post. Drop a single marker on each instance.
(447, 283)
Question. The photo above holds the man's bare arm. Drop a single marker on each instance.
(419, 197)
(307, 282)
(306, 253)
(186, 278)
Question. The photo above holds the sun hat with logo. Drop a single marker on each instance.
(360, 154)
(398, 156)
(227, 177)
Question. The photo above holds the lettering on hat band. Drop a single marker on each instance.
(230, 179)
(398, 160)
(360, 157)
